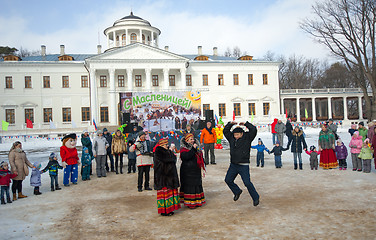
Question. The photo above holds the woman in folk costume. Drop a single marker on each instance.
(328, 157)
(166, 179)
(191, 191)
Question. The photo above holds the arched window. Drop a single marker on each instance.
(123, 39)
(143, 38)
(133, 38)
(117, 41)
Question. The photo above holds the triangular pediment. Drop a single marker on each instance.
(28, 104)
(237, 99)
(267, 98)
(137, 51)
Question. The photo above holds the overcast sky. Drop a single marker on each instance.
(254, 26)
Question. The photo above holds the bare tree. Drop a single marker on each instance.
(347, 29)
(235, 52)
(336, 76)
(26, 53)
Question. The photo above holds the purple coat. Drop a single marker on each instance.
(35, 178)
(341, 152)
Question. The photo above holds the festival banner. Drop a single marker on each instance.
(162, 111)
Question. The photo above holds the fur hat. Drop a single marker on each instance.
(52, 156)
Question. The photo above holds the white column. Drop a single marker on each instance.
(165, 78)
(283, 107)
(148, 79)
(345, 108)
(113, 105)
(314, 109)
(130, 78)
(330, 108)
(108, 40)
(298, 109)
(127, 37)
(140, 36)
(360, 107)
(93, 96)
(182, 77)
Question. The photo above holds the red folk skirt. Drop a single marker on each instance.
(328, 159)
(168, 200)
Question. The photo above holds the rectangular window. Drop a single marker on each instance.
(138, 80)
(103, 81)
(222, 109)
(47, 115)
(221, 81)
(46, 82)
(188, 80)
(8, 82)
(85, 114)
(236, 79)
(251, 109)
(250, 79)
(171, 79)
(121, 81)
(205, 107)
(104, 114)
(84, 82)
(265, 79)
(10, 116)
(29, 114)
(205, 81)
(155, 80)
(266, 107)
(67, 116)
(27, 81)
(65, 81)
(237, 109)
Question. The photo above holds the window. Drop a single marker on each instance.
(123, 40)
(85, 114)
(84, 82)
(103, 81)
(10, 116)
(205, 81)
(46, 82)
(250, 79)
(65, 58)
(265, 79)
(138, 80)
(188, 80)
(205, 107)
(266, 107)
(171, 79)
(222, 109)
(133, 38)
(104, 114)
(155, 80)
(236, 79)
(251, 109)
(29, 114)
(67, 117)
(121, 81)
(47, 114)
(27, 81)
(237, 109)
(220, 79)
(8, 82)
(65, 82)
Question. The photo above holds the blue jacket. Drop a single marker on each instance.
(260, 148)
(131, 155)
(52, 167)
(85, 159)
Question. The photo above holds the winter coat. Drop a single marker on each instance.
(86, 142)
(5, 177)
(99, 146)
(313, 155)
(333, 127)
(131, 155)
(341, 152)
(273, 125)
(351, 131)
(366, 153)
(190, 171)
(374, 143)
(69, 155)
(240, 148)
(118, 145)
(166, 174)
(143, 154)
(326, 139)
(206, 137)
(363, 132)
(356, 143)
(280, 128)
(289, 129)
(108, 137)
(371, 132)
(296, 141)
(260, 148)
(19, 163)
(278, 150)
(52, 167)
(35, 178)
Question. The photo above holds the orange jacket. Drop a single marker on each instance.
(207, 137)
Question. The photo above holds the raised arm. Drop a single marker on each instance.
(227, 132)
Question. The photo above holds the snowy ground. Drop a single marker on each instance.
(294, 204)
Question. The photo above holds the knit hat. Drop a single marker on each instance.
(277, 142)
(361, 123)
(312, 148)
(85, 131)
(99, 132)
(84, 149)
(238, 130)
(353, 125)
(141, 133)
(188, 136)
(367, 140)
(163, 141)
(52, 155)
(331, 119)
(105, 130)
(3, 164)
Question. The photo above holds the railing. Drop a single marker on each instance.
(323, 90)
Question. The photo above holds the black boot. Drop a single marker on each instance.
(8, 200)
(3, 201)
(52, 188)
(57, 187)
(121, 167)
(301, 166)
(295, 166)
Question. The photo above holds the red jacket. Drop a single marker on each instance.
(5, 177)
(69, 155)
(273, 125)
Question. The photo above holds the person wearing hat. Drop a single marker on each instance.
(53, 167)
(327, 139)
(86, 164)
(69, 157)
(100, 146)
(298, 144)
(5, 180)
(240, 138)
(144, 161)
(280, 129)
(86, 142)
(208, 138)
(362, 131)
(313, 157)
(260, 147)
(341, 152)
(166, 179)
(277, 150)
(108, 137)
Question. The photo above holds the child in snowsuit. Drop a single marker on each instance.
(5, 177)
(356, 145)
(260, 147)
(313, 157)
(277, 150)
(35, 178)
(86, 164)
(53, 167)
(341, 151)
(131, 158)
(366, 154)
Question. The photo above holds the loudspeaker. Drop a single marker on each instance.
(209, 115)
(201, 125)
(126, 118)
(129, 127)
